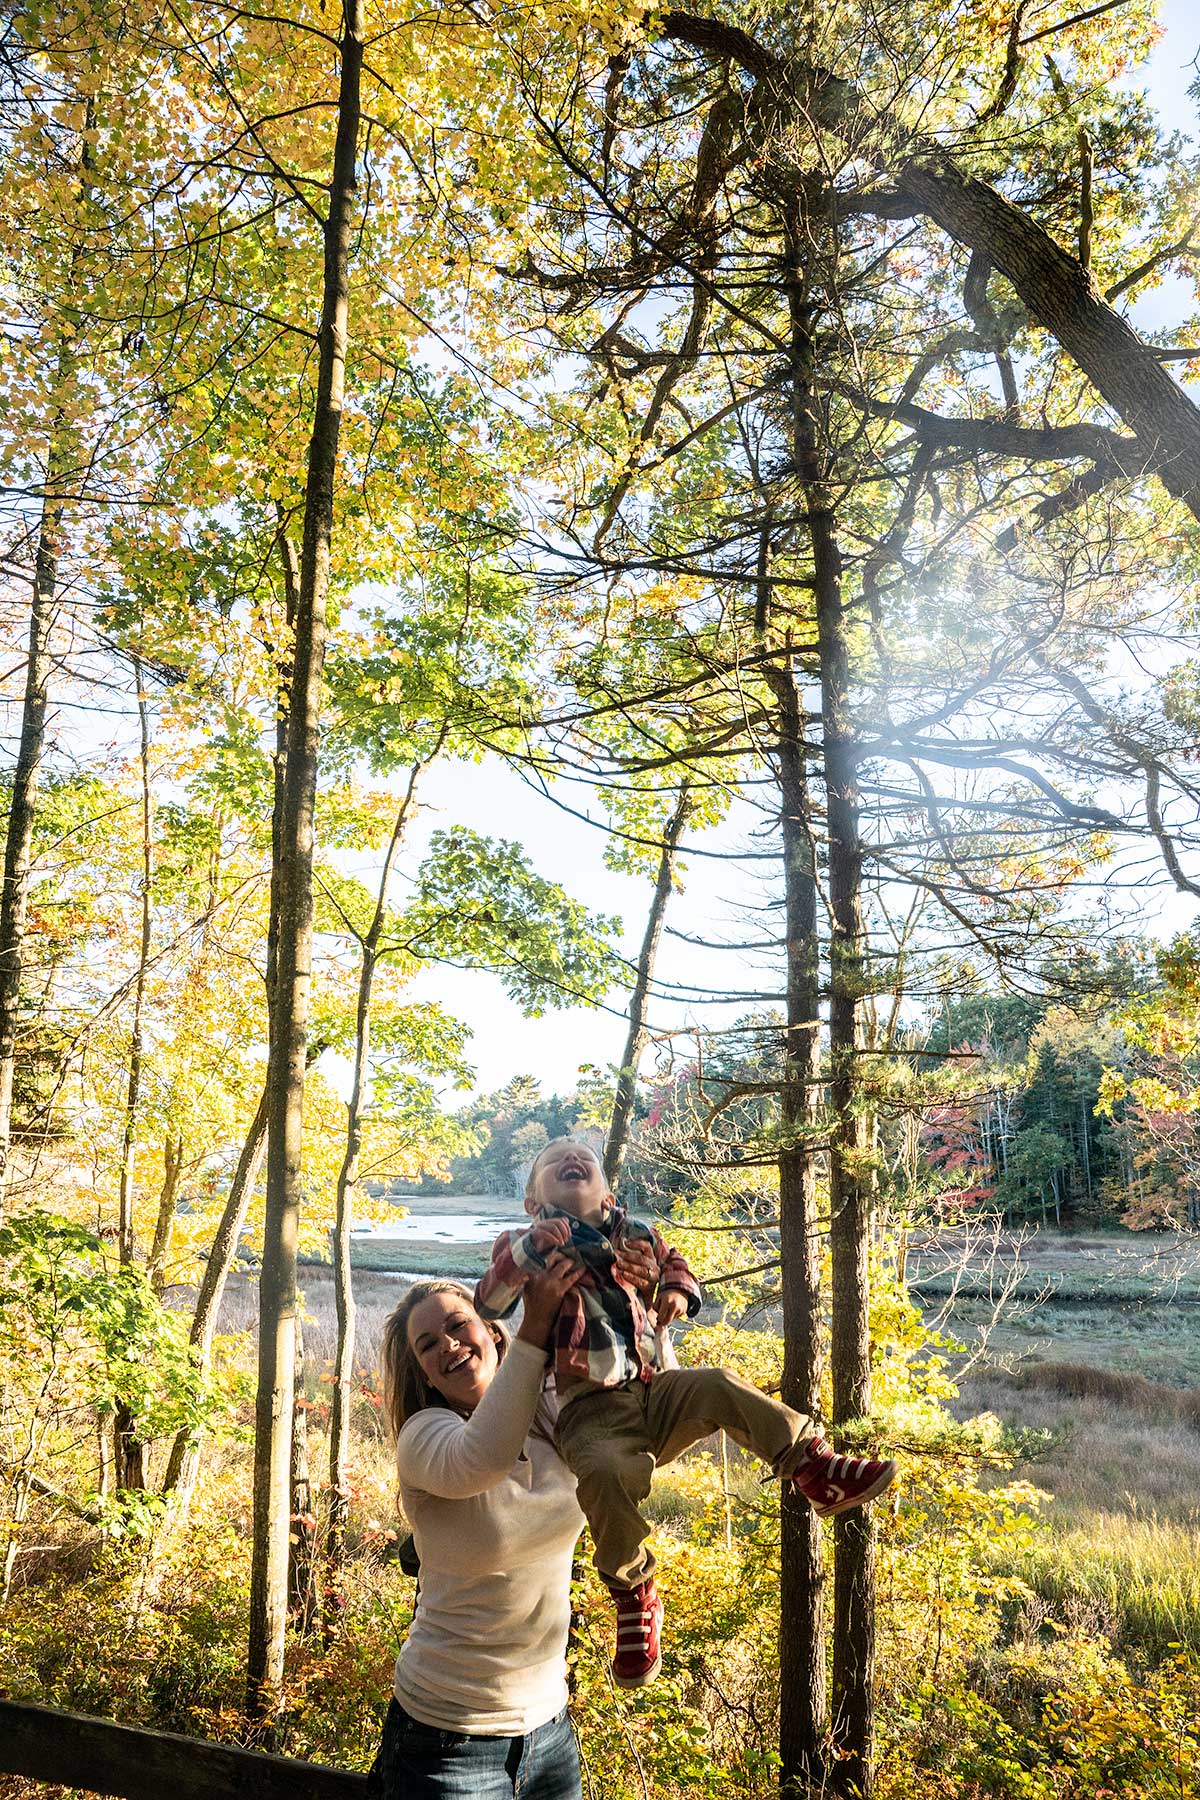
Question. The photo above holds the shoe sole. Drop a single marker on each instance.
(636, 1681)
(879, 1486)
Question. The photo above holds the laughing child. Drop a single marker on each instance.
(621, 1413)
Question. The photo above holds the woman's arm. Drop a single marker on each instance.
(441, 1453)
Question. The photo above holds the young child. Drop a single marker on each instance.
(621, 1414)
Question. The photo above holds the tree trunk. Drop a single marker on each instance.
(61, 463)
(302, 1535)
(19, 1494)
(1063, 297)
(850, 1188)
(1053, 284)
(343, 1281)
(103, 1458)
(185, 1451)
(292, 899)
(129, 1452)
(134, 1085)
(168, 1199)
(635, 1041)
(18, 842)
(803, 1715)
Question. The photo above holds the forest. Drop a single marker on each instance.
(767, 437)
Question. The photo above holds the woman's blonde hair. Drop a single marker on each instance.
(405, 1389)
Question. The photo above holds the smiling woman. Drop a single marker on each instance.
(479, 1707)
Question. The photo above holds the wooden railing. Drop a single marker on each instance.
(127, 1760)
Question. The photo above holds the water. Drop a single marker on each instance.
(463, 1228)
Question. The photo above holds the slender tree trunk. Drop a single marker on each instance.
(850, 1185)
(168, 1199)
(635, 1042)
(18, 842)
(803, 1707)
(134, 1084)
(19, 1495)
(103, 1459)
(302, 1537)
(343, 1278)
(130, 1454)
(292, 897)
(343, 1370)
(185, 1450)
(61, 462)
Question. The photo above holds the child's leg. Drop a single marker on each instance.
(603, 1440)
(685, 1405)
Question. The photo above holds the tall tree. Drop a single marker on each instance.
(61, 473)
(734, 228)
(293, 903)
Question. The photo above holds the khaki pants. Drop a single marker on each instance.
(613, 1438)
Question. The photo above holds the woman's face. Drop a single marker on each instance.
(454, 1347)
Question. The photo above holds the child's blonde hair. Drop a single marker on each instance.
(405, 1389)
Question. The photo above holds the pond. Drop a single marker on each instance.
(460, 1228)
(444, 1234)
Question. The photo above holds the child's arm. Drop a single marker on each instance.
(516, 1255)
(672, 1275)
(676, 1280)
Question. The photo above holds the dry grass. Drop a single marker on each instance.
(1126, 1392)
(1123, 1473)
(375, 1297)
(1106, 1457)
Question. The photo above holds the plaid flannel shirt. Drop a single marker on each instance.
(602, 1335)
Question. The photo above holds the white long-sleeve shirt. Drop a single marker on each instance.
(495, 1519)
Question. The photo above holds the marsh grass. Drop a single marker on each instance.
(375, 1297)
(1140, 1576)
(1161, 1267)
(1122, 1469)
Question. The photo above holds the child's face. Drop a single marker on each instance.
(569, 1176)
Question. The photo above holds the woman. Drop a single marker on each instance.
(480, 1701)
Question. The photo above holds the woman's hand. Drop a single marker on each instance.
(636, 1266)
(544, 1295)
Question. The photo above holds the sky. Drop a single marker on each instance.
(719, 900)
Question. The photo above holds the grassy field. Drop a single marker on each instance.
(1098, 1346)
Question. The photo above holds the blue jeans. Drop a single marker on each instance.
(419, 1762)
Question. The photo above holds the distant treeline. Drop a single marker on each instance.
(1067, 1105)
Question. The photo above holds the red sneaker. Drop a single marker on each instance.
(639, 1622)
(834, 1484)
